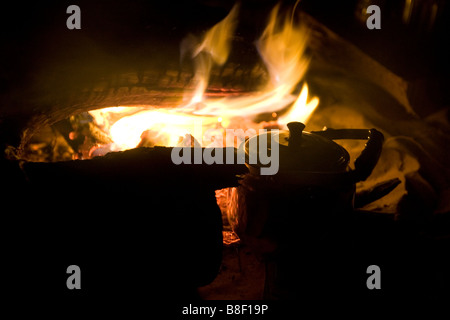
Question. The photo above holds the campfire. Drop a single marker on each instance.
(278, 100)
(120, 141)
(200, 119)
(282, 96)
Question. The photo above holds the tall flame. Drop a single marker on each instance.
(282, 48)
(214, 48)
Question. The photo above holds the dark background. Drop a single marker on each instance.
(39, 54)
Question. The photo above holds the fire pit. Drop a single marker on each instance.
(89, 138)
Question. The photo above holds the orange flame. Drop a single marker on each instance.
(214, 48)
(282, 49)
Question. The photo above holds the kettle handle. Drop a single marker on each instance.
(368, 158)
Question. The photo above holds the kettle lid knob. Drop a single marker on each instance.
(295, 134)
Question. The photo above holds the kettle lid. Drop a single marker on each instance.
(298, 150)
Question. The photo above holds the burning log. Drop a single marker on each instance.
(336, 56)
(138, 166)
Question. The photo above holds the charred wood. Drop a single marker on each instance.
(152, 166)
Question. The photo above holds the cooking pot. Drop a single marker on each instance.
(313, 186)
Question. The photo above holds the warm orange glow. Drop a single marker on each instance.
(167, 126)
(281, 46)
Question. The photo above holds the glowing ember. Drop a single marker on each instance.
(167, 126)
(281, 47)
